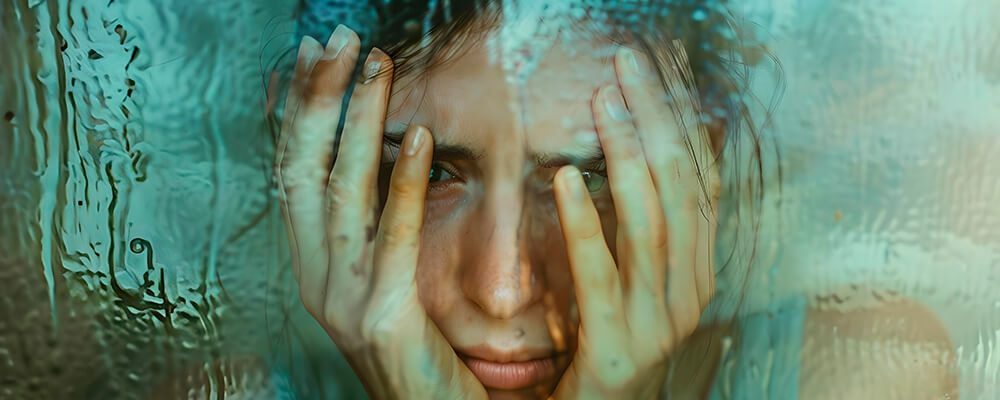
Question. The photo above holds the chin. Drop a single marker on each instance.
(530, 393)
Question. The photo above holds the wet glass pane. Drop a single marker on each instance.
(217, 199)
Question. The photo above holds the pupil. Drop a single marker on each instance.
(435, 175)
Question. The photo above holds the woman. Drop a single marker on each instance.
(564, 242)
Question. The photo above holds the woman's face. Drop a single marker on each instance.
(493, 272)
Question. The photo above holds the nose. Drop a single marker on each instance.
(498, 273)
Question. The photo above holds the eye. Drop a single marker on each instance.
(440, 173)
(595, 180)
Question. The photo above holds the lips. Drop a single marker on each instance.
(509, 370)
(511, 375)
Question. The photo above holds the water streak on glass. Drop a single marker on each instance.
(144, 255)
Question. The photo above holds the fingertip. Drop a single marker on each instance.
(377, 54)
(338, 40)
(411, 170)
(566, 179)
(417, 139)
(377, 65)
(309, 48)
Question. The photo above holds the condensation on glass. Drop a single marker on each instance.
(142, 253)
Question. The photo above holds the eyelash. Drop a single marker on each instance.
(393, 153)
(595, 179)
(439, 166)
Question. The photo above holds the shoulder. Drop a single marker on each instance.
(862, 343)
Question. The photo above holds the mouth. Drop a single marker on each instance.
(509, 370)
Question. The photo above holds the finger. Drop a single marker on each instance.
(595, 279)
(311, 130)
(703, 180)
(398, 237)
(665, 138)
(396, 320)
(643, 252)
(309, 51)
(352, 187)
(636, 204)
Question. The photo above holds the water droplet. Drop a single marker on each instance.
(699, 15)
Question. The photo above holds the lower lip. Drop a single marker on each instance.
(511, 375)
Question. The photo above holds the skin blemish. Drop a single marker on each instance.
(370, 233)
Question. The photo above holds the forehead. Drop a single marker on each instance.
(472, 99)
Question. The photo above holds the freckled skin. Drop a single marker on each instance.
(482, 233)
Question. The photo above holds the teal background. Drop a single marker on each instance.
(142, 254)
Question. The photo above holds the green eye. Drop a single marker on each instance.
(594, 180)
(439, 174)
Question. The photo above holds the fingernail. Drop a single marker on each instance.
(574, 182)
(372, 66)
(629, 55)
(338, 40)
(309, 48)
(416, 139)
(615, 103)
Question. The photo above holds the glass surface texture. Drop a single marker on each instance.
(144, 253)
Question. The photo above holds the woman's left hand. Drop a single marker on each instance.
(665, 187)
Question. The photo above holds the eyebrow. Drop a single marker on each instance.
(442, 151)
(446, 151)
(586, 159)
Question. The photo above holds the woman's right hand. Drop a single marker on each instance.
(355, 277)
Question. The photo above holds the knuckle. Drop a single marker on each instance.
(295, 174)
(380, 327)
(588, 232)
(404, 189)
(359, 112)
(400, 234)
(338, 191)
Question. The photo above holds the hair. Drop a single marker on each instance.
(421, 34)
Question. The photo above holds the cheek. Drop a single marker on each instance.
(437, 268)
